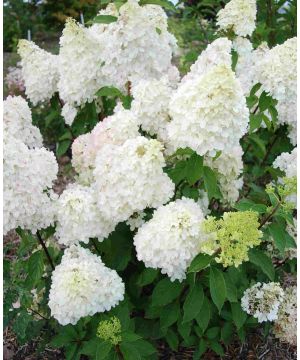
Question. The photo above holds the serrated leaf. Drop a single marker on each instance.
(217, 287)
(21, 323)
(260, 259)
(245, 205)
(200, 262)
(66, 335)
(104, 19)
(147, 276)
(278, 234)
(109, 91)
(35, 269)
(194, 168)
(255, 88)
(193, 303)
(210, 182)
(255, 121)
(103, 349)
(238, 315)
(172, 339)
(129, 351)
(204, 314)
(145, 348)
(163, 3)
(62, 147)
(169, 315)
(165, 292)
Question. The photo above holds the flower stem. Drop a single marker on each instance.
(45, 249)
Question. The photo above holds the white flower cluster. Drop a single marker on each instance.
(248, 59)
(136, 220)
(277, 72)
(139, 30)
(209, 112)
(17, 122)
(263, 300)
(113, 54)
(14, 79)
(239, 16)
(39, 71)
(216, 53)
(78, 217)
(172, 238)
(287, 162)
(80, 61)
(82, 285)
(130, 177)
(115, 129)
(150, 104)
(285, 327)
(28, 173)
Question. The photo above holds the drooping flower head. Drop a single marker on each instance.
(39, 71)
(82, 285)
(172, 238)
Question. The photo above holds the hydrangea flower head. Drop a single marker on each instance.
(172, 238)
(39, 71)
(263, 301)
(110, 330)
(82, 285)
(239, 16)
(235, 233)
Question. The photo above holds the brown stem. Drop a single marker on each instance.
(95, 246)
(268, 217)
(45, 249)
(43, 317)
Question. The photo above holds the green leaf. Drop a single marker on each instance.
(231, 289)
(104, 19)
(264, 101)
(21, 323)
(234, 59)
(109, 91)
(66, 136)
(130, 337)
(194, 168)
(190, 193)
(201, 350)
(163, 3)
(255, 88)
(200, 262)
(129, 351)
(177, 174)
(227, 333)
(278, 234)
(62, 147)
(184, 329)
(103, 349)
(147, 276)
(66, 335)
(210, 182)
(260, 259)
(172, 339)
(217, 287)
(193, 303)
(145, 348)
(169, 315)
(204, 314)
(255, 121)
(165, 292)
(238, 315)
(245, 205)
(217, 348)
(35, 269)
(213, 332)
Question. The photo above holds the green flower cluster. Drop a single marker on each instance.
(110, 330)
(234, 235)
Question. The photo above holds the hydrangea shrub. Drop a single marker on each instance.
(180, 223)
